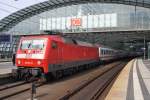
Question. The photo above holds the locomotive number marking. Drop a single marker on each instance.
(28, 55)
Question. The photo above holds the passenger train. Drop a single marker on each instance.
(55, 55)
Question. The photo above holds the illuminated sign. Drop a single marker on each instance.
(76, 22)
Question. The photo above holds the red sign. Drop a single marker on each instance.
(76, 22)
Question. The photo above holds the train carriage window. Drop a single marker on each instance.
(54, 45)
(102, 51)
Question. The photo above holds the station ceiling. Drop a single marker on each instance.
(13, 19)
(107, 38)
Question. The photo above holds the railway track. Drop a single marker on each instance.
(6, 80)
(94, 88)
(15, 89)
(7, 86)
(99, 78)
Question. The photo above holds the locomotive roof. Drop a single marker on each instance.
(65, 39)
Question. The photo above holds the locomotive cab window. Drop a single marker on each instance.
(38, 44)
(33, 44)
(54, 44)
(25, 44)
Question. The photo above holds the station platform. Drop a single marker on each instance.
(5, 60)
(133, 83)
(6, 68)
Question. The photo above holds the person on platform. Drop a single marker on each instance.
(14, 58)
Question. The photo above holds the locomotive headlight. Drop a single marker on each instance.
(19, 62)
(39, 62)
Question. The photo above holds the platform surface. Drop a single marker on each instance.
(6, 67)
(133, 83)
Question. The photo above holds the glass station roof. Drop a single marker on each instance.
(15, 11)
(10, 6)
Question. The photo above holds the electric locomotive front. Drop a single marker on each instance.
(31, 58)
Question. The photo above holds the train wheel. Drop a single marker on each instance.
(15, 75)
(70, 71)
(43, 78)
(74, 70)
(58, 74)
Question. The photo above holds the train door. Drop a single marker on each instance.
(58, 52)
(59, 55)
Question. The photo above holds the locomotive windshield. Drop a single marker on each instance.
(38, 44)
(26, 44)
(33, 44)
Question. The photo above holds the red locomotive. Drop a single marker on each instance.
(40, 55)
(44, 55)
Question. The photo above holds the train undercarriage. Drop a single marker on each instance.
(29, 74)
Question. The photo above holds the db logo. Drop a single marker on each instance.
(76, 22)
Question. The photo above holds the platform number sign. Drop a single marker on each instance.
(5, 37)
